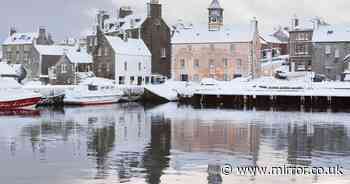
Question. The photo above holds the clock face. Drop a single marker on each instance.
(213, 19)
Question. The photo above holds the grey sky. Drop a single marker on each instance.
(68, 18)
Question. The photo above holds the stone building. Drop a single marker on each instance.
(216, 51)
(128, 61)
(300, 46)
(151, 28)
(275, 43)
(18, 48)
(56, 63)
(331, 45)
(73, 66)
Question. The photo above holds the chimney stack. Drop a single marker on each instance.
(154, 9)
(295, 22)
(254, 24)
(125, 11)
(13, 31)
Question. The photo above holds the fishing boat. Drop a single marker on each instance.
(93, 93)
(14, 96)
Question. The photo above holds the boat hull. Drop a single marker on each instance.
(26, 103)
(92, 101)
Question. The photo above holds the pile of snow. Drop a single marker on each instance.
(7, 70)
(201, 34)
(98, 81)
(209, 82)
(9, 83)
(134, 47)
(21, 38)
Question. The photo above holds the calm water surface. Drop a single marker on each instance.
(168, 144)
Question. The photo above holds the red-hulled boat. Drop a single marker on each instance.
(13, 96)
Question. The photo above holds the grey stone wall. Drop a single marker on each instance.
(104, 59)
(330, 63)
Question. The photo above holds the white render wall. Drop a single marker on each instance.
(132, 68)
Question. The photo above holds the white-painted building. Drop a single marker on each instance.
(132, 61)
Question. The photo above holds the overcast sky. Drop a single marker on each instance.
(71, 18)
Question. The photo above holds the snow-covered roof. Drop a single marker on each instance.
(81, 56)
(270, 38)
(304, 24)
(133, 21)
(202, 34)
(131, 46)
(53, 50)
(72, 52)
(332, 34)
(215, 5)
(129, 22)
(21, 38)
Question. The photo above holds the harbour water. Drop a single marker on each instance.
(169, 144)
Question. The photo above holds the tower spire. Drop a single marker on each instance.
(216, 16)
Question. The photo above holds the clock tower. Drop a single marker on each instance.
(216, 16)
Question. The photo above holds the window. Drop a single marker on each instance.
(90, 42)
(26, 48)
(8, 56)
(17, 56)
(108, 68)
(302, 36)
(125, 66)
(121, 80)
(95, 41)
(212, 47)
(99, 70)
(182, 63)
(139, 80)
(132, 79)
(147, 80)
(140, 66)
(328, 49)
(163, 53)
(225, 62)
(300, 49)
(99, 52)
(195, 77)
(232, 48)
(196, 63)
(189, 48)
(337, 53)
(63, 68)
(92, 88)
(211, 64)
(26, 56)
(106, 51)
(239, 66)
(225, 77)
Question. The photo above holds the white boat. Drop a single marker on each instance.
(93, 93)
(14, 96)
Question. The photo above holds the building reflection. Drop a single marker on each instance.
(118, 144)
(156, 158)
(307, 139)
(216, 136)
(200, 142)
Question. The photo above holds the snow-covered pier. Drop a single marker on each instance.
(273, 93)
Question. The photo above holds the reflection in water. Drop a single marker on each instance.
(156, 159)
(167, 144)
